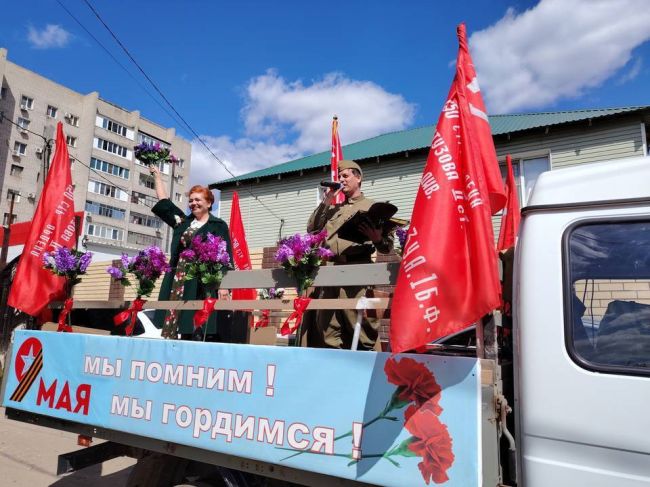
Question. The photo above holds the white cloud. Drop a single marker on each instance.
(50, 37)
(557, 49)
(286, 120)
(240, 156)
(634, 71)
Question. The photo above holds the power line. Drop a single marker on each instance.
(142, 87)
(47, 141)
(187, 125)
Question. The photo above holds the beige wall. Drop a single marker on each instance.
(292, 196)
(19, 81)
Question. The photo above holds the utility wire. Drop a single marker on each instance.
(187, 125)
(136, 80)
(98, 173)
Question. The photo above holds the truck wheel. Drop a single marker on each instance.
(218, 477)
(157, 470)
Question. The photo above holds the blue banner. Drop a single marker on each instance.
(386, 420)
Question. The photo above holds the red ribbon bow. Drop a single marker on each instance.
(67, 307)
(132, 312)
(264, 319)
(201, 316)
(299, 306)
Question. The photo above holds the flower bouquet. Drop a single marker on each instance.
(301, 256)
(70, 264)
(402, 236)
(153, 154)
(147, 266)
(265, 294)
(206, 259)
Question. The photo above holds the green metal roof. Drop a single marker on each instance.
(420, 138)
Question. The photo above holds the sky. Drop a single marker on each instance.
(259, 81)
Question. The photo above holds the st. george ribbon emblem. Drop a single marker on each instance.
(29, 362)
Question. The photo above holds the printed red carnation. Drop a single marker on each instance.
(415, 382)
(432, 442)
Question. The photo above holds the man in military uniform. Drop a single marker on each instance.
(335, 328)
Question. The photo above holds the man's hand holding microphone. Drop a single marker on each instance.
(334, 188)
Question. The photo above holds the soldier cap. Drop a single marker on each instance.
(347, 164)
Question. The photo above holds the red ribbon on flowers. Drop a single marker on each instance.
(264, 320)
(132, 312)
(299, 306)
(201, 316)
(67, 307)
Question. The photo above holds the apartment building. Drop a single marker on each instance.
(111, 186)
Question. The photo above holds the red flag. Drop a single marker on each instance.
(337, 155)
(53, 227)
(19, 232)
(511, 216)
(239, 248)
(448, 276)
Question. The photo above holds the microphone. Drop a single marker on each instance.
(330, 184)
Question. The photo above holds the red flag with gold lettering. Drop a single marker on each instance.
(53, 226)
(240, 252)
(448, 276)
(511, 215)
(337, 155)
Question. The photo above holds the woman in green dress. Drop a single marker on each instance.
(199, 222)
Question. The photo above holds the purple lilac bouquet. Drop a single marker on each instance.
(147, 266)
(68, 263)
(402, 235)
(153, 154)
(301, 255)
(271, 293)
(207, 259)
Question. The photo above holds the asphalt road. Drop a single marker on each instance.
(28, 457)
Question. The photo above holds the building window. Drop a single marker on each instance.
(20, 149)
(111, 147)
(114, 127)
(71, 141)
(146, 220)
(178, 197)
(13, 193)
(181, 163)
(163, 166)
(3, 93)
(143, 199)
(526, 173)
(607, 289)
(72, 119)
(105, 210)
(5, 219)
(16, 170)
(103, 231)
(52, 111)
(179, 179)
(26, 103)
(142, 239)
(109, 168)
(147, 181)
(107, 190)
(23, 123)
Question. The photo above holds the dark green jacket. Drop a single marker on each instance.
(166, 210)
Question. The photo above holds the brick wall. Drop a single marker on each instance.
(597, 294)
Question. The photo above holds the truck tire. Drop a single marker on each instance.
(157, 470)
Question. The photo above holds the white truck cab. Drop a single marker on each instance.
(581, 312)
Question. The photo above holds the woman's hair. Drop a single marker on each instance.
(207, 194)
